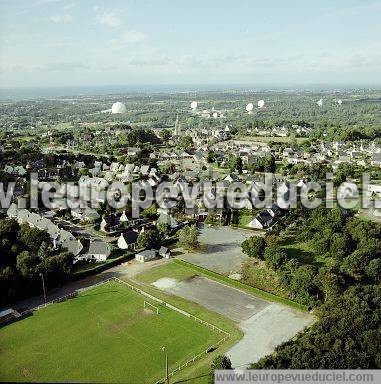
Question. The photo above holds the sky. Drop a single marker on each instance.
(47, 43)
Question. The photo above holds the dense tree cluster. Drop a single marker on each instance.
(345, 290)
(24, 254)
(234, 163)
(262, 164)
(188, 237)
(149, 238)
(346, 133)
(347, 335)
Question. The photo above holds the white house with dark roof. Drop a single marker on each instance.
(127, 240)
(262, 220)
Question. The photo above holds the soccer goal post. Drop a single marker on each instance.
(147, 304)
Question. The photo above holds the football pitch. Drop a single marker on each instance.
(103, 335)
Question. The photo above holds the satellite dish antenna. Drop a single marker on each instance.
(194, 105)
(339, 101)
(261, 103)
(249, 107)
(320, 103)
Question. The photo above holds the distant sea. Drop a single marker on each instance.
(78, 91)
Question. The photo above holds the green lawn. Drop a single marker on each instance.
(304, 253)
(300, 251)
(103, 335)
(244, 220)
(172, 270)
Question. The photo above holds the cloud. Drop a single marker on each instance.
(133, 36)
(9, 67)
(356, 10)
(61, 19)
(108, 19)
(62, 66)
(70, 6)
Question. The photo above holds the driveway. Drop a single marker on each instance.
(220, 249)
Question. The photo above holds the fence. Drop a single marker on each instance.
(64, 298)
(162, 302)
(226, 335)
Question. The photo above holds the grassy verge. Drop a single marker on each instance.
(244, 287)
(256, 274)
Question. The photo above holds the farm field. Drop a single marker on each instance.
(103, 335)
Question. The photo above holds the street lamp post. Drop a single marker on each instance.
(43, 286)
(166, 365)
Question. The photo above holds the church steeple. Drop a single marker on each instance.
(177, 126)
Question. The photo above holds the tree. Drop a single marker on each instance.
(58, 266)
(83, 172)
(254, 247)
(211, 157)
(163, 229)
(165, 134)
(186, 143)
(33, 237)
(329, 282)
(234, 163)
(219, 362)
(27, 264)
(347, 335)
(272, 239)
(42, 251)
(188, 237)
(356, 262)
(150, 212)
(302, 284)
(148, 238)
(373, 270)
(274, 257)
(9, 229)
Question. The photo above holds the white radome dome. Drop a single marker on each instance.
(118, 107)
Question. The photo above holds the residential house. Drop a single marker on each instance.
(146, 255)
(99, 250)
(128, 240)
(164, 252)
(262, 220)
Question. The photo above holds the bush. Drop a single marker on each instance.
(254, 247)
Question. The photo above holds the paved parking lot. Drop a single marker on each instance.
(220, 249)
(265, 324)
(220, 298)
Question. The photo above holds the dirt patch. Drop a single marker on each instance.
(149, 312)
(165, 283)
(190, 278)
(236, 276)
(27, 372)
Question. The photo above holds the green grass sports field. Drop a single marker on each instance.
(103, 335)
